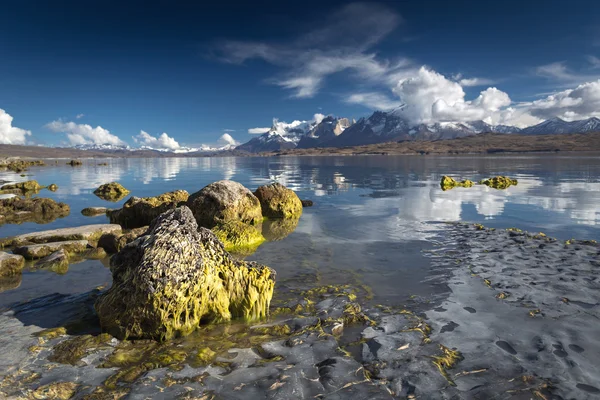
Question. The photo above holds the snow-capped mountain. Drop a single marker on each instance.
(101, 147)
(328, 129)
(557, 126)
(281, 136)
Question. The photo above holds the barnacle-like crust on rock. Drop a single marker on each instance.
(140, 211)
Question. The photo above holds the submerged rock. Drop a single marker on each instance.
(27, 186)
(277, 201)
(114, 242)
(10, 264)
(75, 163)
(499, 182)
(238, 237)
(56, 262)
(94, 211)
(140, 211)
(307, 203)
(176, 276)
(448, 183)
(39, 210)
(53, 187)
(36, 251)
(279, 228)
(85, 232)
(224, 201)
(10, 282)
(111, 192)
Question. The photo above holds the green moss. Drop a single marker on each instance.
(205, 355)
(499, 182)
(51, 333)
(277, 201)
(111, 192)
(71, 351)
(27, 186)
(56, 391)
(274, 330)
(17, 210)
(238, 237)
(448, 183)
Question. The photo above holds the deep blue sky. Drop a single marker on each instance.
(167, 67)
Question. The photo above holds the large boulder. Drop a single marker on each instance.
(277, 201)
(140, 211)
(224, 201)
(40, 210)
(112, 191)
(176, 276)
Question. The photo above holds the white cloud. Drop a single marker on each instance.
(226, 139)
(79, 134)
(374, 100)
(571, 104)
(560, 74)
(11, 134)
(258, 131)
(466, 82)
(594, 61)
(318, 117)
(79, 116)
(162, 142)
(228, 130)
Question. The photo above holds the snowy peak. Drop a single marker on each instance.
(560, 126)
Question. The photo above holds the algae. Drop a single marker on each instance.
(447, 360)
(448, 183)
(111, 192)
(56, 391)
(27, 186)
(20, 165)
(277, 201)
(499, 182)
(238, 237)
(40, 210)
(72, 350)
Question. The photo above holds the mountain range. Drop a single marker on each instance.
(392, 126)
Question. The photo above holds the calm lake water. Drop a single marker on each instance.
(372, 217)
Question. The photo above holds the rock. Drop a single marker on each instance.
(94, 211)
(238, 237)
(307, 203)
(27, 186)
(86, 232)
(53, 187)
(75, 163)
(448, 183)
(10, 264)
(19, 165)
(36, 251)
(138, 212)
(176, 276)
(114, 242)
(56, 262)
(278, 229)
(224, 201)
(499, 182)
(111, 192)
(277, 201)
(39, 210)
(10, 282)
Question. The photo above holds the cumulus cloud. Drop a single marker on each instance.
(466, 82)
(162, 142)
(571, 104)
(227, 140)
(258, 131)
(79, 116)
(80, 134)
(11, 134)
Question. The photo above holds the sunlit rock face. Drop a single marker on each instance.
(175, 276)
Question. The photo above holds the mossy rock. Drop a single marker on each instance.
(56, 391)
(94, 211)
(114, 242)
(20, 165)
(10, 282)
(72, 350)
(177, 276)
(27, 186)
(38, 209)
(57, 262)
(53, 187)
(448, 183)
(11, 264)
(111, 192)
(277, 201)
(75, 163)
(140, 211)
(278, 228)
(224, 201)
(499, 182)
(238, 237)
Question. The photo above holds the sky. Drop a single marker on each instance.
(172, 74)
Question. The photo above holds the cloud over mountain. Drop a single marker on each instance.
(11, 134)
(162, 142)
(84, 134)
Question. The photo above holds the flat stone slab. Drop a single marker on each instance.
(35, 251)
(86, 232)
(10, 264)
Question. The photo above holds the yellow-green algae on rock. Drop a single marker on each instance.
(27, 186)
(277, 201)
(176, 276)
(499, 182)
(448, 183)
(140, 211)
(238, 237)
(112, 191)
(224, 201)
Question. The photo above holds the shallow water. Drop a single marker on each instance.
(372, 218)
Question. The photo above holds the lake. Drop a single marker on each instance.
(373, 216)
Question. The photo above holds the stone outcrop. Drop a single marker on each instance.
(112, 191)
(277, 201)
(224, 201)
(39, 210)
(17, 165)
(114, 242)
(10, 264)
(36, 251)
(27, 186)
(86, 232)
(140, 211)
(176, 276)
